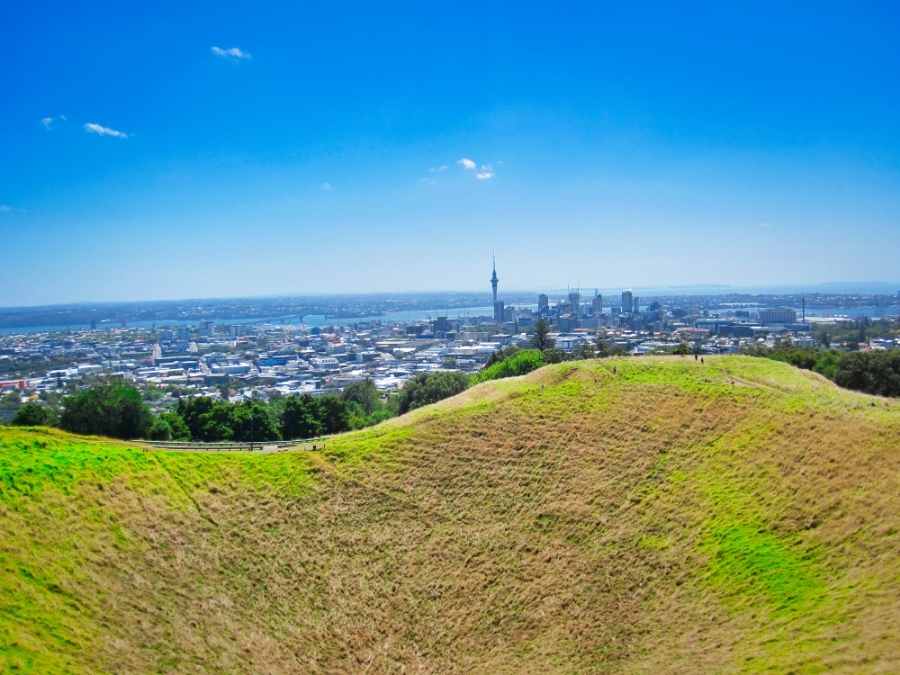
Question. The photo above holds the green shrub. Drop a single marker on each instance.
(159, 430)
(871, 372)
(34, 414)
(427, 388)
(520, 363)
(177, 425)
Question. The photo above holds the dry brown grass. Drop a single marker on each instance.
(562, 526)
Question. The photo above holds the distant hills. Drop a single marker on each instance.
(622, 515)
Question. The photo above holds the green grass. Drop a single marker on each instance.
(620, 515)
(748, 562)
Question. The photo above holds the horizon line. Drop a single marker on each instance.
(723, 289)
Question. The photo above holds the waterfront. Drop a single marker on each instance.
(310, 321)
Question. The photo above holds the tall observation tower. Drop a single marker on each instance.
(494, 279)
(494, 282)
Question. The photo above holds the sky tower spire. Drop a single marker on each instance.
(494, 282)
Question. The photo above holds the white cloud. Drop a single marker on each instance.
(486, 172)
(483, 172)
(234, 53)
(326, 187)
(50, 121)
(100, 130)
(438, 169)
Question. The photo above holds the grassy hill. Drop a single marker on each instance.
(633, 515)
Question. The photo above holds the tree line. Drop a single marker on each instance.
(115, 408)
(874, 372)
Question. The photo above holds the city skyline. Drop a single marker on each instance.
(883, 288)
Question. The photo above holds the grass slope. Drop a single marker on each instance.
(631, 515)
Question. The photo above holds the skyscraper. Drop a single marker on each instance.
(627, 302)
(575, 303)
(543, 305)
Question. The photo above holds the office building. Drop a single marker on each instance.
(543, 305)
(575, 304)
(777, 315)
(627, 302)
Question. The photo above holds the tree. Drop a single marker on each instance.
(682, 349)
(9, 405)
(301, 418)
(34, 414)
(358, 419)
(251, 421)
(601, 349)
(501, 355)
(364, 393)
(177, 425)
(553, 355)
(541, 338)
(334, 414)
(871, 372)
(827, 364)
(191, 410)
(217, 424)
(159, 430)
(585, 351)
(428, 388)
(109, 409)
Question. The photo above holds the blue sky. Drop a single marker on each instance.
(193, 149)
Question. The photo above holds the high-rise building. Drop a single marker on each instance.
(627, 302)
(597, 304)
(499, 311)
(575, 303)
(441, 325)
(636, 305)
(543, 304)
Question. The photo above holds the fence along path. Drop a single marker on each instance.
(238, 446)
